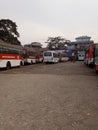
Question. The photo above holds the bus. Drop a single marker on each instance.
(89, 55)
(30, 55)
(11, 55)
(39, 57)
(63, 57)
(96, 58)
(80, 55)
(50, 57)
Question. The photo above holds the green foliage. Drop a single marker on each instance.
(57, 43)
(8, 31)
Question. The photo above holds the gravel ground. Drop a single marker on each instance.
(61, 96)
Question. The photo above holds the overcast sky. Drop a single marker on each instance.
(39, 19)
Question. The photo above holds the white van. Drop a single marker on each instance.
(50, 57)
(81, 55)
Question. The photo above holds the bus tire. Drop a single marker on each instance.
(31, 62)
(21, 64)
(96, 71)
(8, 65)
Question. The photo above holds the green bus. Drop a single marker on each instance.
(96, 58)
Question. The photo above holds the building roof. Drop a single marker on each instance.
(83, 37)
(36, 44)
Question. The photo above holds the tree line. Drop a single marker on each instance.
(9, 34)
(8, 31)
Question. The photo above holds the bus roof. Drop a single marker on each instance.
(5, 44)
(30, 49)
(51, 51)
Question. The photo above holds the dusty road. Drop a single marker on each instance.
(59, 96)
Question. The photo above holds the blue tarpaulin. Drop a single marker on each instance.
(69, 53)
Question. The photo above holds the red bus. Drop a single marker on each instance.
(89, 55)
(11, 55)
(30, 55)
(39, 57)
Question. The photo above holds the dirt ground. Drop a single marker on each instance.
(61, 96)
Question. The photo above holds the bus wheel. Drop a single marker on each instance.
(31, 62)
(21, 63)
(96, 72)
(8, 65)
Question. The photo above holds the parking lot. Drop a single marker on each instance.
(62, 96)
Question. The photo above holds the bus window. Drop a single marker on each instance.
(47, 54)
(55, 55)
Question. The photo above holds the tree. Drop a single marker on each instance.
(57, 43)
(8, 31)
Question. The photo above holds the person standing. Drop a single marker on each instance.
(74, 56)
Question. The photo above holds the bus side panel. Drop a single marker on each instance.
(29, 60)
(13, 63)
(96, 63)
(96, 67)
(3, 63)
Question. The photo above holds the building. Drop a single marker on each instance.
(80, 45)
(36, 45)
(83, 42)
(83, 39)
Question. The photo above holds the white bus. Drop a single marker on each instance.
(10, 55)
(80, 55)
(50, 57)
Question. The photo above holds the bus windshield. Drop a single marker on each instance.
(47, 54)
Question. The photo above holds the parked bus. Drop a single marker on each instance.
(80, 55)
(63, 57)
(30, 55)
(89, 55)
(39, 57)
(96, 58)
(50, 57)
(11, 55)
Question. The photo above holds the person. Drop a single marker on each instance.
(74, 56)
